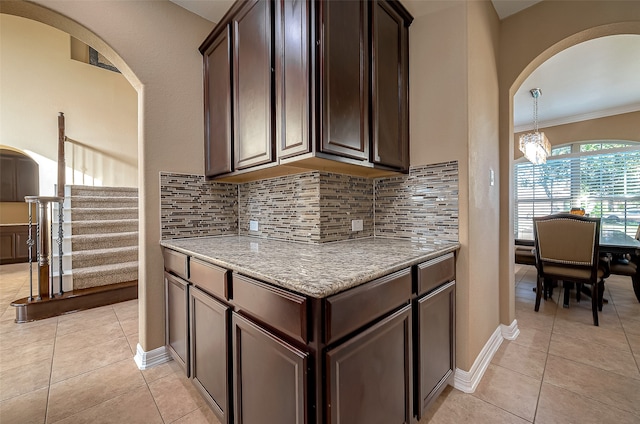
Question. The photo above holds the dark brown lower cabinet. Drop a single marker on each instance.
(209, 331)
(369, 377)
(13, 243)
(177, 319)
(436, 344)
(270, 377)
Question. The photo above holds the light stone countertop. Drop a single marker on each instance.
(316, 270)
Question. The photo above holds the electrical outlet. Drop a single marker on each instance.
(356, 225)
(253, 225)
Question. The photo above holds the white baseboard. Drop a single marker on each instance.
(510, 332)
(154, 357)
(467, 381)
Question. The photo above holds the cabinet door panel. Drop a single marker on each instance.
(390, 72)
(177, 330)
(22, 237)
(209, 349)
(436, 345)
(345, 69)
(292, 77)
(369, 376)
(270, 377)
(252, 34)
(217, 104)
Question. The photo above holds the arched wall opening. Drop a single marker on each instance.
(526, 45)
(154, 45)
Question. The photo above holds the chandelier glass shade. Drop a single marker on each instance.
(535, 145)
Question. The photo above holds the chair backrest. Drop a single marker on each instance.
(567, 240)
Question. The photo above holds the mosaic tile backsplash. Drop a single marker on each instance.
(286, 208)
(342, 199)
(422, 206)
(315, 206)
(190, 206)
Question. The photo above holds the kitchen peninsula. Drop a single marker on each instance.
(284, 332)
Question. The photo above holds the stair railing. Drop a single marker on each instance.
(44, 243)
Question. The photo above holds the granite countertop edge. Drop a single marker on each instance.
(315, 282)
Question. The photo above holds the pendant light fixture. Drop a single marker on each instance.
(535, 145)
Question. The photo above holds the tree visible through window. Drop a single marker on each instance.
(601, 177)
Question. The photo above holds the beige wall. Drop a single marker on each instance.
(625, 126)
(38, 79)
(454, 116)
(527, 39)
(14, 213)
(155, 45)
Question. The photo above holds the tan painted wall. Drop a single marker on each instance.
(484, 202)
(625, 126)
(155, 45)
(14, 213)
(38, 79)
(454, 116)
(527, 39)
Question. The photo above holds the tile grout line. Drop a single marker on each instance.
(53, 352)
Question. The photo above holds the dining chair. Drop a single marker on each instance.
(566, 249)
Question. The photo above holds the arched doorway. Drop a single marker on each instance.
(527, 45)
(154, 45)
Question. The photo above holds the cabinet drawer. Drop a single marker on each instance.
(176, 263)
(435, 272)
(350, 310)
(209, 278)
(277, 308)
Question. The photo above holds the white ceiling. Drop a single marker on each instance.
(593, 79)
(596, 78)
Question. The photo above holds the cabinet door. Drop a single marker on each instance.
(217, 106)
(344, 59)
(177, 321)
(252, 71)
(270, 377)
(436, 343)
(369, 376)
(22, 237)
(293, 89)
(209, 350)
(390, 73)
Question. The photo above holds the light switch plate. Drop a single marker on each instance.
(356, 225)
(253, 225)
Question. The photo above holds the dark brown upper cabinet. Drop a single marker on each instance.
(312, 84)
(19, 176)
(293, 83)
(344, 82)
(390, 81)
(217, 105)
(252, 84)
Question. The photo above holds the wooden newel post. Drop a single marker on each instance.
(43, 248)
(61, 164)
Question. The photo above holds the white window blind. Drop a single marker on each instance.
(605, 183)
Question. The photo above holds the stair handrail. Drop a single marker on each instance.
(61, 161)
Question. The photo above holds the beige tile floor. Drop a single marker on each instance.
(79, 368)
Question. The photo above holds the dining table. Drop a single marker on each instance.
(621, 245)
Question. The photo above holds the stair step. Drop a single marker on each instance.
(103, 275)
(79, 190)
(101, 226)
(78, 202)
(103, 241)
(96, 257)
(103, 214)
